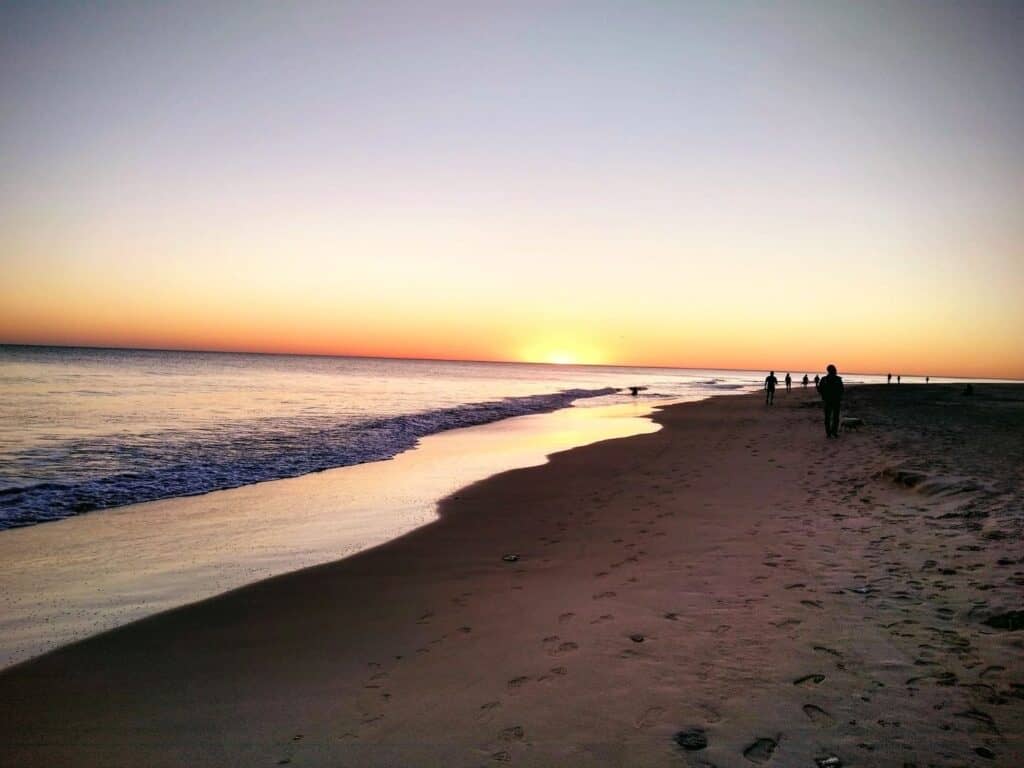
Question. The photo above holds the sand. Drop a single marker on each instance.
(77, 577)
(734, 580)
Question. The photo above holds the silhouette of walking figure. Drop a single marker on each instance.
(888, 379)
(789, 383)
(769, 388)
(805, 381)
(897, 378)
(831, 391)
(817, 380)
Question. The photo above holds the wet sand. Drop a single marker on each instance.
(732, 590)
(77, 577)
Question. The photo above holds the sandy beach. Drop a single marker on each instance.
(732, 590)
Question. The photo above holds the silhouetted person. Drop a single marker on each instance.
(806, 380)
(888, 379)
(927, 379)
(789, 383)
(831, 391)
(769, 388)
(897, 378)
(817, 380)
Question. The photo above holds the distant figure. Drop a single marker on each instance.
(888, 379)
(635, 391)
(817, 380)
(789, 383)
(805, 381)
(831, 391)
(769, 388)
(897, 378)
(927, 379)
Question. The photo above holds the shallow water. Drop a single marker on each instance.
(85, 429)
(82, 575)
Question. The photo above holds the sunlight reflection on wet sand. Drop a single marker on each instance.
(69, 579)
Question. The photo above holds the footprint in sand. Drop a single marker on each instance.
(604, 617)
(487, 711)
(514, 733)
(566, 617)
(517, 682)
(650, 716)
(761, 751)
(829, 651)
(818, 716)
(814, 679)
(559, 671)
(711, 715)
(604, 595)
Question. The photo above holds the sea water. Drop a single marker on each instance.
(87, 429)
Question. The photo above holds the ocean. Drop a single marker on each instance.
(87, 429)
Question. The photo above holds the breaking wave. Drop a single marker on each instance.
(127, 469)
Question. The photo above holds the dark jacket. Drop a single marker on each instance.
(831, 388)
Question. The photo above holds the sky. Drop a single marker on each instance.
(742, 185)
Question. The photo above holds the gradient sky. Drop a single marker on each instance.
(728, 184)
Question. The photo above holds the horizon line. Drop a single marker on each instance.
(468, 360)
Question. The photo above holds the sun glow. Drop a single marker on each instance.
(562, 349)
(561, 358)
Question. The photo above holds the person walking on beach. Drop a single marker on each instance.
(805, 381)
(888, 379)
(817, 380)
(831, 391)
(769, 388)
(897, 378)
(789, 383)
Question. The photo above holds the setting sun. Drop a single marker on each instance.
(563, 349)
(561, 358)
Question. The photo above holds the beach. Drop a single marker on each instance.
(731, 590)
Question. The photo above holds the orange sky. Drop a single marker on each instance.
(748, 187)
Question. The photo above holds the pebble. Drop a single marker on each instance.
(692, 739)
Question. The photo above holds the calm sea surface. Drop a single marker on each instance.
(85, 429)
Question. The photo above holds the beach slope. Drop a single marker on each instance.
(732, 590)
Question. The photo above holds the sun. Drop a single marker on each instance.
(561, 358)
(561, 350)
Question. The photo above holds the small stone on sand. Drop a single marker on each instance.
(692, 739)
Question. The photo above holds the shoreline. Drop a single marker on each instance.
(73, 578)
(704, 576)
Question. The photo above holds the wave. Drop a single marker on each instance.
(166, 465)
